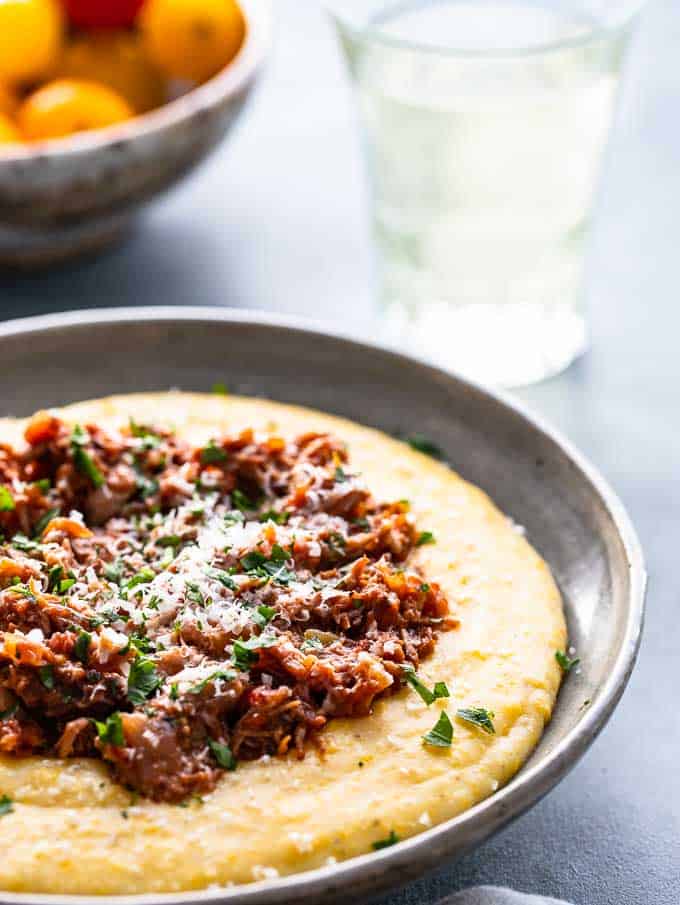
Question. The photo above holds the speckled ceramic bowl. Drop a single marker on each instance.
(569, 512)
(68, 196)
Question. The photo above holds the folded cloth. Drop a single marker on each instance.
(494, 895)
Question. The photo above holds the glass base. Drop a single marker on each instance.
(509, 345)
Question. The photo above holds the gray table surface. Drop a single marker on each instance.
(277, 220)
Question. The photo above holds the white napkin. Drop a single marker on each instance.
(494, 895)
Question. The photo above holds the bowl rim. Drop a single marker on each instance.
(230, 81)
(528, 786)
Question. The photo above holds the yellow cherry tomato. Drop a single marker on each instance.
(69, 105)
(192, 39)
(8, 100)
(30, 38)
(115, 59)
(9, 134)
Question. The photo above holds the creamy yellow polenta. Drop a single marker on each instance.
(74, 830)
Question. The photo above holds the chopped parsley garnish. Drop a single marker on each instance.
(264, 615)
(271, 515)
(141, 430)
(144, 576)
(225, 674)
(46, 674)
(223, 754)
(7, 503)
(212, 454)
(268, 567)
(113, 571)
(478, 716)
(21, 542)
(392, 839)
(43, 485)
(82, 459)
(425, 537)
(170, 540)
(110, 732)
(11, 710)
(425, 588)
(220, 389)
(139, 643)
(423, 445)
(312, 643)
(174, 691)
(565, 662)
(194, 593)
(65, 585)
(440, 689)
(245, 653)
(234, 518)
(241, 501)
(82, 646)
(224, 578)
(340, 474)
(44, 521)
(143, 680)
(54, 577)
(146, 486)
(6, 805)
(441, 734)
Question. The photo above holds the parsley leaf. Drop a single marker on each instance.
(82, 646)
(425, 537)
(478, 716)
(423, 445)
(271, 515)
(441, 733)
(170, 540)
(144, 576)
(143, 680)
(440, 689)
(212, 454)
(5, 805)
(566, 663)
(223, 754)
(340, 474)
(268, 567)
(111, 731)
(392, 839)
(241, 501)
(7, 503)
(245, 653)
(46, 674)
(82, 459)
(54, 576)
(113, 571)
(225, 674)
(224, 578)
(264, 615)
(11, 710)
(44, 521)
(21, 542)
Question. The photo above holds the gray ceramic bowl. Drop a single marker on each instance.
(72, 195)
(569, 512)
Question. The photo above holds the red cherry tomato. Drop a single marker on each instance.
(102, 13)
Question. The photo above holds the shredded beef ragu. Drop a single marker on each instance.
(173, 609)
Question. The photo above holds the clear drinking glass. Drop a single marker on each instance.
(484, 123)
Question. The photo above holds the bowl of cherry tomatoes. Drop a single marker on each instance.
(106, 103)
